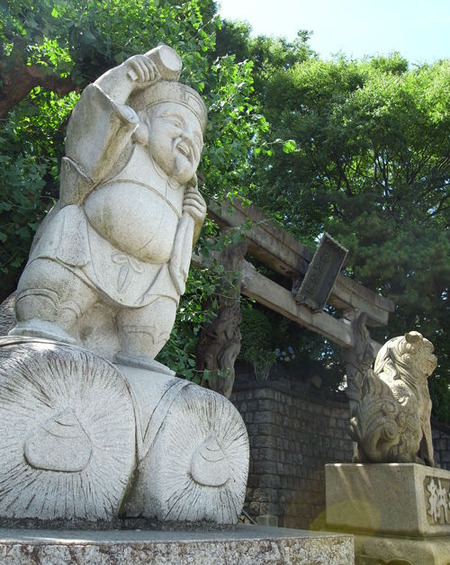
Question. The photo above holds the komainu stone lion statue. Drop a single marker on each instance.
(391, 422)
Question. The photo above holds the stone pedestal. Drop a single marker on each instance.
(398, 512)
(82, 439)
(246, 545)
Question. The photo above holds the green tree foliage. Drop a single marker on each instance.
(371, 166)
(279, 349)
(50, 49)
(357, 148)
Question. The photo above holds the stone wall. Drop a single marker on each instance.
(441, 444)
(292, 436)
(291, 439)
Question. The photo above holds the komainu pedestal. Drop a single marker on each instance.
(393, 498)
(399, 512)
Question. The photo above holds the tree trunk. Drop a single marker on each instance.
(220, 342)
(18, 83)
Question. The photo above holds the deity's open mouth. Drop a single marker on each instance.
(183, 148)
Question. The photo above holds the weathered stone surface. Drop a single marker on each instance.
(321, 275)
(110, 261)
(246, 545)
(7, 314)
(289, 450)
(67, 432)
(399, 513)
(391, 422)
(277, 298)
(82, 437)
(372, 550)
(193, 452)
(219, 342)
(284, 254)
(402, 499)
(358, 359)
(75, 430)
(313, 432)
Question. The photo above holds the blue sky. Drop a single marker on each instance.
(418, 29)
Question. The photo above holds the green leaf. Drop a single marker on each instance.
(289, 146)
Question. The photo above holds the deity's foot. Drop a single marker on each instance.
(40, 328)
(141, 362)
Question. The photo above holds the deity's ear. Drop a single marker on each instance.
(413, 337)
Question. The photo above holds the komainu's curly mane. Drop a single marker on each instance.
(391, 423)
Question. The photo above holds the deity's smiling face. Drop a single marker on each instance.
(175, 140)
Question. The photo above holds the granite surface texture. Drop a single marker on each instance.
(246, 545)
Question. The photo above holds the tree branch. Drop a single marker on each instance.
(19, 82)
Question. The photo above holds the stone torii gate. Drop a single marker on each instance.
(356, 306)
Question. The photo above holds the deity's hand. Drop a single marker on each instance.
(142, 70)
(137, 72)
(194, 204)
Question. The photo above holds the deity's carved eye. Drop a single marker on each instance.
(174, 120)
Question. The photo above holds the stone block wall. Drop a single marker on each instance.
(291, 440)
(441, 444)
(292, 437)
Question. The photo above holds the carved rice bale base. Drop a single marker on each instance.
(67, 432)
(196, 469)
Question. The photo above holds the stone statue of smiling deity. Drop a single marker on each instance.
(82, 438)
(129, 212)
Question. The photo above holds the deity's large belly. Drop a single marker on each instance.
(134, 219)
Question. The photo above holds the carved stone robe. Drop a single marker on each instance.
(118, 225)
